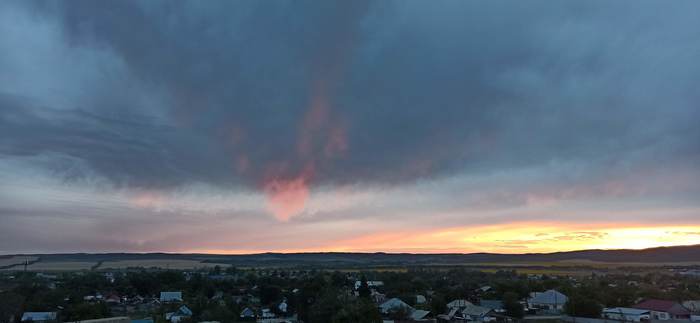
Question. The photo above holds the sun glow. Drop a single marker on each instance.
(511, 238)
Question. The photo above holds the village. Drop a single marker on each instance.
(301, 295)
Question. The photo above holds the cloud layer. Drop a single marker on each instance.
(324, 122)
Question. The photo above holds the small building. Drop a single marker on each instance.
(495, 305)
(370, 284)
(664, 310)
(626, 314)
(550, 301)
(692, 306)
(420, 299)
(182, 313)
(39, 317)
(144, 320)
(113, 299)
(167, 297)
(459, 303)
(266, 313)
(394, 304)
(420, 315)
(282, 307)
(461, 310)
(247, 313)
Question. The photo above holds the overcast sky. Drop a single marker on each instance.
(231, 126)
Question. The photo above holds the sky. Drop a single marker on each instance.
(394, 126)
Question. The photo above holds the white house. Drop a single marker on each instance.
(370, 284)
(626, 314)
(551, 300)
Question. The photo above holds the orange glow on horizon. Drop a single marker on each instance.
(528, 237)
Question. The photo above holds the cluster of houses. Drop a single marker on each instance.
(550, 303)
(657, 310)
(462, 310)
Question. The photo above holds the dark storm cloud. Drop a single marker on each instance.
(378, 92)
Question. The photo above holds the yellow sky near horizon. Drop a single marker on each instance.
(527, 237)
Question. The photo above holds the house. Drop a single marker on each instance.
(495, 305)
(113, 299)
(626, 314)
(39, 317)
(182, 313)
(247, 313)
(694, 308)
(145, 320)
(550, 301)
(267, 314)
(458, 303)
(283, 307)
(664, 310)
(370, 284)
(378, 297)
(463, 310)
(420, 299)
(420, 315)
(166, 297)
(394, 304)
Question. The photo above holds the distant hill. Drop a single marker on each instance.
(660, 255)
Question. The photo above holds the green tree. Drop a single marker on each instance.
(325, 307)
(85, 311)
(364, 290)
(359, 311)
(399, 313)
(438, 305)
(10, 306)
(512, 305)
(583, 307)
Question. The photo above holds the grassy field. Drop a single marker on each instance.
(15, 260)
(159, 263)
(60, 266)
(552, 271)
(180, 264)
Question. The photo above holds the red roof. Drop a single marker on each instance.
(658, 305)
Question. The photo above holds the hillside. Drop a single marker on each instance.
(658, 256)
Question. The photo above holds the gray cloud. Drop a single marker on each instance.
(411, 91)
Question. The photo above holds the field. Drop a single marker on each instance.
(60, 266)
(158, 263)
(564, 263)
(78, 265)
(16, 260)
